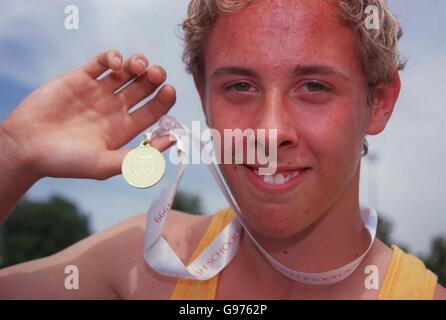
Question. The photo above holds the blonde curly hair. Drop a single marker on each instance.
(377, 48)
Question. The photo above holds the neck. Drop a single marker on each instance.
(336, 239)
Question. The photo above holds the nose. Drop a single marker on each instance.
(273, 113)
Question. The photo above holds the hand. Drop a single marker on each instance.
(74, 126)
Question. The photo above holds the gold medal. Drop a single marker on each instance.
(143, 167)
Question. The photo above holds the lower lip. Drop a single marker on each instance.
(261, 185)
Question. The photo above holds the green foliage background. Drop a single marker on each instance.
(38, 229)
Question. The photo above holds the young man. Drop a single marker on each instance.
(305, 68)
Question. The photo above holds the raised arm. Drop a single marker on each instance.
(75, 127)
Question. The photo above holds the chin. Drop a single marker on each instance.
(279, 215)
(278, 223)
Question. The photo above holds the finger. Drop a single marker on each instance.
(132, 67)
(110, 59)
(153, 110)
(143, 86)
(110, 163)
(163, 143)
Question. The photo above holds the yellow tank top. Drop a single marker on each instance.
(406, 277)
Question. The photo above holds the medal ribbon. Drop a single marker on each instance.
(163, 259)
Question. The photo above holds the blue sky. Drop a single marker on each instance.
(407, 182)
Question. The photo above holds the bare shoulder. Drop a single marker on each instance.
(110, 264)
(383, 257)
(182, 231)
(440, 293)
(380, 256)
(130, 274)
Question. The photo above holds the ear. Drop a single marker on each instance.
(385, 99)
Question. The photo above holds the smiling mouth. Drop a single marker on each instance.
(283, 180)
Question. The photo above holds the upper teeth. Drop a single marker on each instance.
(278, 178)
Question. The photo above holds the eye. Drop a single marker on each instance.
(314, 87)
(242, 86)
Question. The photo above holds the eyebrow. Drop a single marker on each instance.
(234, 70)
(319, 69)
(299, 70)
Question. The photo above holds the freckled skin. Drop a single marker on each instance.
(326, 135)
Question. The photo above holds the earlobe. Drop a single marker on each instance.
(383, 106)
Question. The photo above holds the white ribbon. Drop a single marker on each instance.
(162, 258)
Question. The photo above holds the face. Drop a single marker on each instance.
(290, 66)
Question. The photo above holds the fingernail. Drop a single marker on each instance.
(156, 67)
(117, 59)
(142, 62)
(163, 71)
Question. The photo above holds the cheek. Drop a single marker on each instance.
(223, 114)
(336, 141)
(222, 117)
